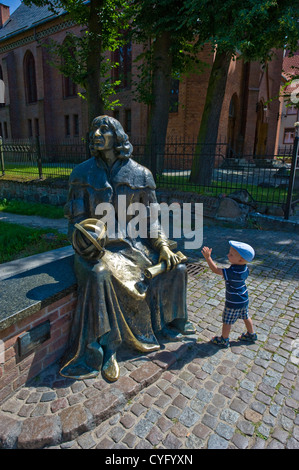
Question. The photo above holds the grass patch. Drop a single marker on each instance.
(33, 172)
(17, 241)
(259, 194)
(28, 208)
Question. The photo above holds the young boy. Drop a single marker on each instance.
(236, 304)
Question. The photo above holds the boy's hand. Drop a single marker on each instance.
(206, 252)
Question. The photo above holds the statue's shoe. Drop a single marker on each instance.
(147, 347)
(110, 369)
(184, 327)
(171, 334)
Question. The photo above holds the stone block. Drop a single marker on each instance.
(102, 407)
(39, 432)
(229, 209)
(9, 431)
(146, 374)
(74, 420)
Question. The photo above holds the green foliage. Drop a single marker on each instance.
(151, 19)
(253, 28)
(28, 208)
(17, 241)
(104, 22)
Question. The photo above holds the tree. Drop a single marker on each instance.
(243, 29)
(82, 57)
(168, 53)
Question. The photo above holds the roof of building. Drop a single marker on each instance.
(25, 18)
(290, 68)
(290, 65)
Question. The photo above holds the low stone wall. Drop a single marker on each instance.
(35, 191)
(38, 299)
(20, 365)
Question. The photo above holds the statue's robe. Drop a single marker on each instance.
(110, 309)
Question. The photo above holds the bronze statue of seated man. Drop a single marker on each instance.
(111, 310)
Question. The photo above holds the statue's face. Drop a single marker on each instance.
(103, 137)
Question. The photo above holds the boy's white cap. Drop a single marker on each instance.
(246, 251)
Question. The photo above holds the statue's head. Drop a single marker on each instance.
(103, 126)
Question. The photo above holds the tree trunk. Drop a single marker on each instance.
(94, 57)
(159, 111)
(203, 161)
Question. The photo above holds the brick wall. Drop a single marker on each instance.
(16, 371)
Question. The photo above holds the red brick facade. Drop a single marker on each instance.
(245, 122)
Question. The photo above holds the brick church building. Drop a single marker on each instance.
(40, 101)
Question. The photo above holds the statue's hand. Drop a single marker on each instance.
(169, 257)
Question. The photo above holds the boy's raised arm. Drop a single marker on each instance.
(206, 252)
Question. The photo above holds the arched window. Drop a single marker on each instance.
(69, 88)
(30, 78)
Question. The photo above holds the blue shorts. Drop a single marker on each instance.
(231, 315)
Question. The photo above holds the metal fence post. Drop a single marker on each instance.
(39, 158)
(293, 174)
(2, 157)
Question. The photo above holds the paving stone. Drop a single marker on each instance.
(9, 431)
(74, 420)
(246, 427)
(117, 433)
(129, 440)
(217, 442)
(253, 416)
(172, 442)
(146, 374)
(172, 412)
(241, 442)
(48, 396)
(224, 430)
(275, 445)
(142, 428)
(102, 408)
(188, 417)
(155, 436)
(127, 421)
(86, 441)
(39, 432)
(280, 435)
(229, 416)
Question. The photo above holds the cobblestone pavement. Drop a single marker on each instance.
(191, 394)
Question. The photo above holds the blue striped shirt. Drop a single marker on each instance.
(236, 290)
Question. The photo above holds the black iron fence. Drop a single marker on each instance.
(266, 179)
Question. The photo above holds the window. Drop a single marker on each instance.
(288, 136)
(30, 78)
(5, 130)
(67, 126)
(30, 132)
(76, 124)
(174, 96)
(128, 121)
(122, 72)
(69, 87)
(116, 114)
